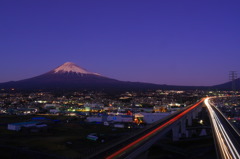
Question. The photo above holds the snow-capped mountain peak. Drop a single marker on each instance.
(71, 67)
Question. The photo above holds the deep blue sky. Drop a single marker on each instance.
(182, 42)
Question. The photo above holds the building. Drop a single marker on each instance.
(150, 118)
(18, 126)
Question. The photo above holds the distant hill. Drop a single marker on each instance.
(228, 85)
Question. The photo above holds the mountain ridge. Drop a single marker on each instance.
(69, 76)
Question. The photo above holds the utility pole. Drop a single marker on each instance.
(233, 77)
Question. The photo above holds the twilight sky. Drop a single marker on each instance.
(178, 42)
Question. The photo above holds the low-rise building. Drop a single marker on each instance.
(18, 126)
(150, 118)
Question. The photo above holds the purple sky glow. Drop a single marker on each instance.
(188, 42)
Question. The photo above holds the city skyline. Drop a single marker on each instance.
(174, 43)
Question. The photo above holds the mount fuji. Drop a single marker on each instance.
(66, 76)
(69, 76)
(70, 67)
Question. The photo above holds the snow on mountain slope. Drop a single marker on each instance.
(71, 67)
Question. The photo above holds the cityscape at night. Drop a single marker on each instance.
(119, 79)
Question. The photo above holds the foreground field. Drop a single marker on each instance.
(65, 138)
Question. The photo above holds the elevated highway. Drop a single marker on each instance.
(133, 146)
(227, 138)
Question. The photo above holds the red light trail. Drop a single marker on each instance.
(115, 154)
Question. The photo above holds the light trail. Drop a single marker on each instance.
(226, 146)
(151, 133)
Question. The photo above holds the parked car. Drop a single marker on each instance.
(96, 137)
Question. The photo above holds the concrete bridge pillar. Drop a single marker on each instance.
(189, 119)
(194, 114)
(183, 126)
(187, 134)
(203, 132)
(200, 108)
(175, 133)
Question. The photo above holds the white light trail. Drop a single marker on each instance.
(226, 145)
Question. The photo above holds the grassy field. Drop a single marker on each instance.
(63, 138)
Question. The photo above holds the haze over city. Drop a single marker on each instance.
(164, 42)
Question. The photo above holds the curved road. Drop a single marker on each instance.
(227, 138)
(124, 148)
